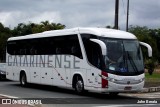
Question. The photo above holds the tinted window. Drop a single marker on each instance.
(93, 51)
(68, 44)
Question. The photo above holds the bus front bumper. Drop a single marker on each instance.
(113, 87)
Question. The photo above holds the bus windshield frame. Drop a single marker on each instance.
(124, 56)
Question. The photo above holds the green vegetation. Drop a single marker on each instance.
(152, 80)
(154, 77)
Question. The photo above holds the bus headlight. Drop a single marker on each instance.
(112, 80)
(141, 80)
(108, 78)
(104, 77)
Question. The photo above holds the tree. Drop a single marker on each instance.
(5, 33)
(46, 26)
(108, 26)
(22, 29)
(147, 35)
(144, 34)
(31, 28)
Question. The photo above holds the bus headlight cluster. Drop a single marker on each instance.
(104, 77)
(112, 80)
(141, 80)
(108, 78)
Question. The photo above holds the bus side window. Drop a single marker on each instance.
(58, 50)
(75, 46)
(21, 52)
(33, 51)
(68, 45)
(96, 55)
(92, 51)
(64, 45)
(73, 50)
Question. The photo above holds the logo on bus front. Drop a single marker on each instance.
(128, 82)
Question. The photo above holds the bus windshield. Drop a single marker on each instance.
(124, 57)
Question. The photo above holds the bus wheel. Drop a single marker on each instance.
(23, 79)
(79, 86)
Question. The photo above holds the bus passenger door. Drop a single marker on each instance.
(90, 78)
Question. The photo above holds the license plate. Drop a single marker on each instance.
(128, 88)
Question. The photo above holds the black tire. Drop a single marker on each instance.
(79, 85)
(113, 94)
(23, 80)
(1, 77)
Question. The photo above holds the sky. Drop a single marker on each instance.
(80, 13)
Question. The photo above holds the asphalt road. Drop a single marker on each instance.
(54, 95)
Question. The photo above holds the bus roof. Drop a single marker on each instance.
(103, 32)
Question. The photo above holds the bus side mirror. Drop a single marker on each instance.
(101, 44)
(148, 47)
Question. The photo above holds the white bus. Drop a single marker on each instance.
(93, 59)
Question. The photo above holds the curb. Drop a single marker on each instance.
(151, 89)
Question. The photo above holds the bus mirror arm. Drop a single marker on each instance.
(148, 47)
(102, 45)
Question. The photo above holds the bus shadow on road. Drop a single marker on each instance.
(86, 94)
(69, 96)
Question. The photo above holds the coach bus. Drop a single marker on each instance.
(93, 59)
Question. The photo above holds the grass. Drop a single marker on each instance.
(152, 80)
(154, 76)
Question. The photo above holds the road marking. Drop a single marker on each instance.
(3, 95)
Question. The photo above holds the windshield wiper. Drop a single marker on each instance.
(125, 58)
(132, 62)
